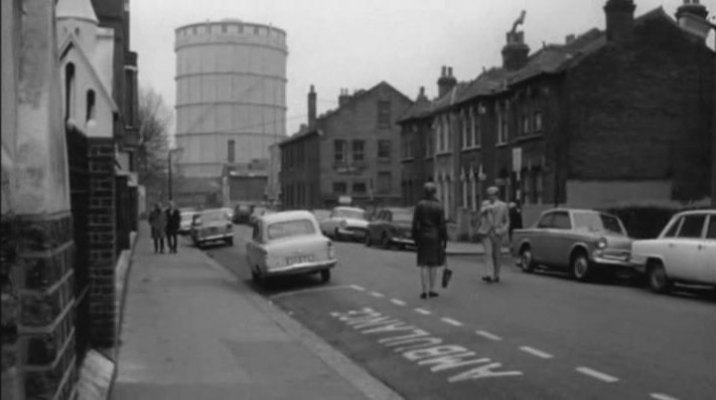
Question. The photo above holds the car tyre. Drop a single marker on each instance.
(368, 242)
(659, 282)
(256, 276)
(325, 275)
(527, 263)
(229, 241)
(581, 268)
(385, 241)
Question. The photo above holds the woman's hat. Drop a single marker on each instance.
(493, 190)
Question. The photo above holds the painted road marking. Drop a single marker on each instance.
(313, 290)
(421, 348)
(358, 288)
(659, 396)
(488, 335)
(397, 302)
(422, 311)
(596, 374)
(536, 352)
(451, 321)
(376, 294)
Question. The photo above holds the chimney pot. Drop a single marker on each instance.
(312, 108)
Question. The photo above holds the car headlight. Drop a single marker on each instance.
(602, 243)
(343, 224)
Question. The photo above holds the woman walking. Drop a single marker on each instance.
(430, 235)
(158, 222)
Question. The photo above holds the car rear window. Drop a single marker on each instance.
(354, 214)
(213, 215)
(597, 222)
(402, 216)
(299, 227)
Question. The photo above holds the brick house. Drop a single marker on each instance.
(614, 115)
(350, 151)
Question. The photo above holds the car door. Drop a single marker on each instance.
(707, 252)
(251, 246)
(557, 243)
(539, 237)
(685, 248)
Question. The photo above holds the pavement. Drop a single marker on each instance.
(192, 330)
(468, 248)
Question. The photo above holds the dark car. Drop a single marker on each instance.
(242, 212)
(391, 227)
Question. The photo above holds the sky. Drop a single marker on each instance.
(356, 44)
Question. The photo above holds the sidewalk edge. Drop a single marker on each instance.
(357, 376)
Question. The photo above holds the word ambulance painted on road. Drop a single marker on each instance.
(418, 346)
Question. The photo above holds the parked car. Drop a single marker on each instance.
(287, 243)
(258, 212)
(242, 212)
(684, 251)
(210, 226)
(391, 227)
(582, 242)
(321, 214)
(185, 223)
(229, 213)
(345, 223)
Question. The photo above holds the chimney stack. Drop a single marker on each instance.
(343, 98)
(446, 81)
(620, 20)
(569, 39)
(312, 108)
(692, 17)
(515, 51)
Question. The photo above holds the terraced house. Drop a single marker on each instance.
(607, 116)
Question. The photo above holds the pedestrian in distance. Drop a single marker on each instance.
(494, 226)
(515, 218)
(173, 222)
(158, 222)
(430, 235)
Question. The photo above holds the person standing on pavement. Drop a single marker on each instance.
(515, 218)
(430, 235)
(158, 222)
(173, 222)
(494, 226)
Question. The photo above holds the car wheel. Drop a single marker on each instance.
(581, 267)
(230, 241)
(658, 280)
(337, 235)
(385, 241)
(526, 261)
(256, 276)
(325, 275)
(368, 242)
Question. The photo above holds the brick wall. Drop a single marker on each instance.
(102, 241)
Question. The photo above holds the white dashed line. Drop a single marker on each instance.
(659, 396)
(451, 321)
(536, 352)
(422, 311)
(488, 335)
(598, 375)
(358, 288)
(376, 294)
(397, 302)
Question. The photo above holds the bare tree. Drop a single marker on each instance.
(154, 119)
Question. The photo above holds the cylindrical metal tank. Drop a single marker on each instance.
(230, 94)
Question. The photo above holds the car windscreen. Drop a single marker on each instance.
(353, 214)
(187, 216)
(213, 216)
(403, 216)
(597, 222)
(285, 229)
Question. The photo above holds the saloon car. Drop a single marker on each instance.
(289, 243)
(185, 223)
(684, 251)
(210, 226)
(391, 227)
(582, 242)
(345, 223)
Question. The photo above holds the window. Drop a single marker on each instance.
(232, 151)
(339, 188)
(561, 221)
(359, 188)
(525, 124)
(69, 90)
(384, 179)
(476, 132)
(339, 150)
(502, 125)
(692, 227)
(673, 228)
(384, 149)
(280, 230)
(538, 121)
(465, 119)
(384, 120)
(358, 150)
(597, 222)
(711, 231)
(90, 105)
(223, 28)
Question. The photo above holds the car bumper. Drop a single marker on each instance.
(612, 261)
(403, 241)
(211, 238)
(301, 268)
(355, 233)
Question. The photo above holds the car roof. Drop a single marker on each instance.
(396, 209)
(707, 211)
(349, 208)
(287, 216)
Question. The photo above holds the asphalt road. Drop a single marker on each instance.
(531, 336)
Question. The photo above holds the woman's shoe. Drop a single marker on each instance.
(487, 279)
(423, 295)
(432, 294)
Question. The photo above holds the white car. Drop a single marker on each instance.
(685, 251)
(289, 243)
(345, 223)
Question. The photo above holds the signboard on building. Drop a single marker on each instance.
(517, 160)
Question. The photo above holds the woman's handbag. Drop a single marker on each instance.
(447, 275)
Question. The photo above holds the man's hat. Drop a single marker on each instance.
(493, 190)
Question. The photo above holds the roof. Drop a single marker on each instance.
(298, 136)
(76, 9)
(360, 94)
(287, 216)
(420, 108)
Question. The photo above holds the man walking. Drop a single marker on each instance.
(158, 222)
(430, 236)
(494, 225)
(173, 222)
